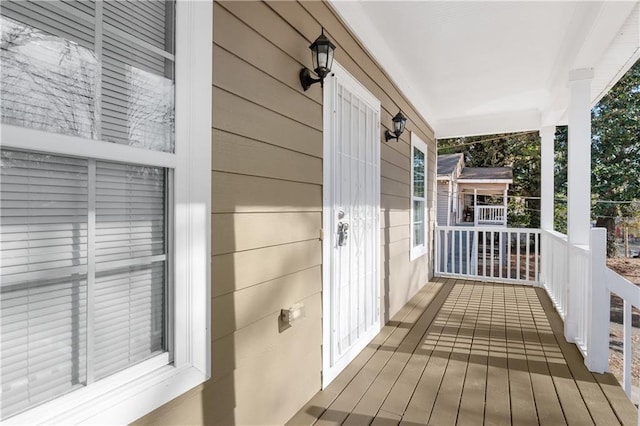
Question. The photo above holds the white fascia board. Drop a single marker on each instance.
(488, 124)
(444, 178)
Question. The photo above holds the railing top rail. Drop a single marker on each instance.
(555, 234)
(623, 287)
(585, 249)
(490, 207)
(487, 229)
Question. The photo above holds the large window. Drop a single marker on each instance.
(418, 197)
(90, 185)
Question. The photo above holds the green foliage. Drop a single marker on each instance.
(615, 148)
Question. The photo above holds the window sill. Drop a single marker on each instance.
(108, 403)
(417, 252)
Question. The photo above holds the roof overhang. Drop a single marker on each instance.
(472, 68)
(474, 181)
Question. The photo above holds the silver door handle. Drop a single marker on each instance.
(343, 233)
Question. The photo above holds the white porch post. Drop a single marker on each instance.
(449, 205)
(579, 186)
(547, 192)
(475, 207)
(598, 306)
(505, 203)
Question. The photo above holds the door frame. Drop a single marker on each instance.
(330, 372)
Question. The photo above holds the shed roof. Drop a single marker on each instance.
(447, 163)
(487, 173)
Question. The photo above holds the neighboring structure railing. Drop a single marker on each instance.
(488, 253)
(490, 215)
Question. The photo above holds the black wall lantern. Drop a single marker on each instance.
(399, 121)
(322, 56)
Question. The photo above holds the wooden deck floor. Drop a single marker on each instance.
(468, 353)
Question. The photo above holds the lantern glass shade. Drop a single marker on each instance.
(322, 55)
(399, 121)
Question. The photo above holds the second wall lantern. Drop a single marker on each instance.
(322, 57)
(399, 121)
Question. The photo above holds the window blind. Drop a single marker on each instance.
(43, 233)
(47, 291)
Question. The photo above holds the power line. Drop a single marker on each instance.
(488, 140)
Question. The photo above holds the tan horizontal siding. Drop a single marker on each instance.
(393, 187)
(267, 204)
(393, 172)
(230, 352)
(230, 271)
(237, 76)
(396, 248)
(243, 193)
(237, 310)
(247, 231)
(239, 116)
(394, 202)
(237, 154)
(394, 157)
(394, 233)
(241, 40)
(390, 218)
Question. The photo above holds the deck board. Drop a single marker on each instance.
(467, 353)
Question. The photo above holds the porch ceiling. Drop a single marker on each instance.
(474, 68)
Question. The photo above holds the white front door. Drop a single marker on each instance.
(351, 220)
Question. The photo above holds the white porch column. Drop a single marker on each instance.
(449, 205)
(475, 207)
(547, 192)
(579, 186)
(505, 205)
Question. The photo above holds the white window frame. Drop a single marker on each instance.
(421, 250)
(126, 396)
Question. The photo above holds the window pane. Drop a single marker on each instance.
(45, 234)
(49, 75)
(43, 282)
(137, 90)
(52, 70)
(418, 173)
(129, 317)
(418, 223)
(129, 301)
(130, 204)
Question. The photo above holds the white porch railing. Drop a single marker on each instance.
(580, 273)
(575, 277)
(630, 294)
(490, 215)
(488, 253)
